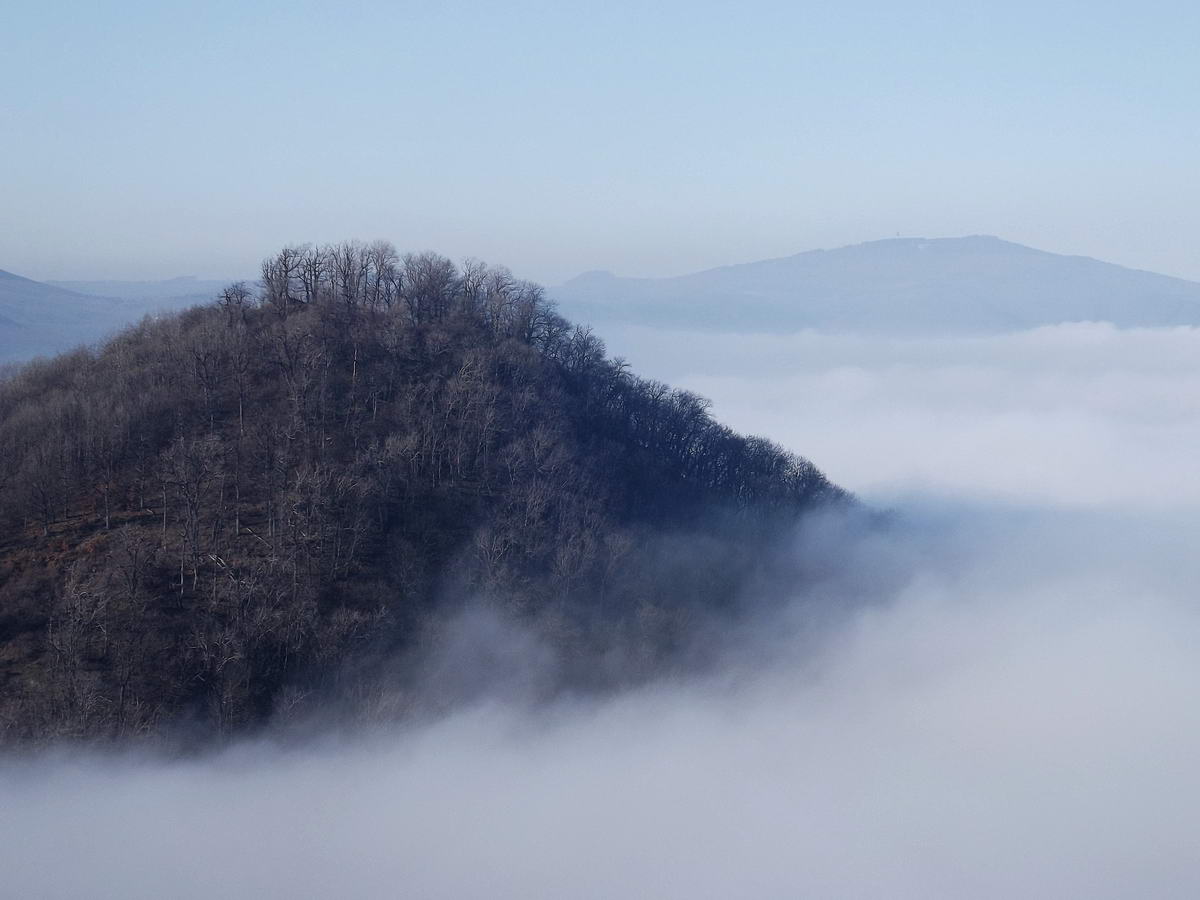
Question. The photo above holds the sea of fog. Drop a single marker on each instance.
(1015, 712)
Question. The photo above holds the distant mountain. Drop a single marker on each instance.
(39, 319)
(23, 301)
(910, 285)
(185, 287)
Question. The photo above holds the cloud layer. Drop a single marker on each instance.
(1082, 414)
(1012, 711)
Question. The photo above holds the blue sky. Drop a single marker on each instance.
(156, 139)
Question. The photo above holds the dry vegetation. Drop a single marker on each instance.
(221, 515)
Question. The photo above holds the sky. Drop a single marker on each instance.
(1013, 711)
(155, 139)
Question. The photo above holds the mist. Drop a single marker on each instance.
(995, 696)
(1079, 414)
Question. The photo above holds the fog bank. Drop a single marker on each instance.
(1010, 713)
(1081, 414)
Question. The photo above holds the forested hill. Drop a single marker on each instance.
(222, 515)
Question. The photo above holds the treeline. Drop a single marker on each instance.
(220, 515)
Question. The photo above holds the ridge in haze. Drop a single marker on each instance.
(976, 284)
(43, 318)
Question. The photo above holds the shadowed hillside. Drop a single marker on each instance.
(237, 512)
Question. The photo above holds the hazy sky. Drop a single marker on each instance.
(154, 139)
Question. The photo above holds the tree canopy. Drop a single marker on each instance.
(221, 513)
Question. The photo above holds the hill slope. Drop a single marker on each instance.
(224, 512)
(914, 285)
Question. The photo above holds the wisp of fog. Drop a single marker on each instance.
(1004, 704)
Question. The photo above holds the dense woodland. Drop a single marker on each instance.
(223, 517)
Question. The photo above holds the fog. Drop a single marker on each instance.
(1011, 712)
(1079, 414)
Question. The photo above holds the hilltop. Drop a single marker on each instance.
(258, 506)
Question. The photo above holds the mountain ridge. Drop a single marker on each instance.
(181, 286)
(41, 318)
(978, 283)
